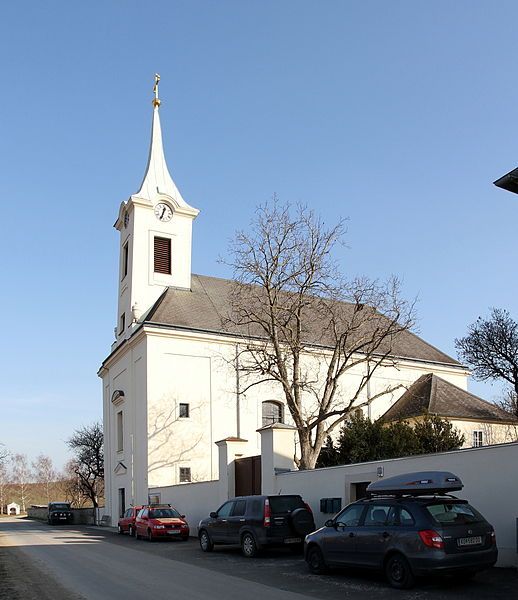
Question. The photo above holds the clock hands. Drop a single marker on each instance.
(163, 211)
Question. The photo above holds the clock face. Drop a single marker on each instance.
(163, 212)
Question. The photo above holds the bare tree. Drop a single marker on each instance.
(87, 445)
(44, 473)
(304, 326)
(491, 350)
(70, 487)
(4, 453)
(509, 402)
(22, 476)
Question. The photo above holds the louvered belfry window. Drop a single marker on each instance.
(163, 255)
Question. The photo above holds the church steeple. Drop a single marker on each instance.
(157, 179)
(155, 226)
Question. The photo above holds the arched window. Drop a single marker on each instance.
(272, 412)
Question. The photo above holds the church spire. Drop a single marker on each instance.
(157, 180)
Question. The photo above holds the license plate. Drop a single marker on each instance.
(292, 540)
(62, 518)
(470, 541)
(173, 532)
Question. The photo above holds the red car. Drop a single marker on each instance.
(154, 522)
(127, 521)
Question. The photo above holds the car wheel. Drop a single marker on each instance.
(206, 544)
(130, 531)
(248, 545)
(398, 572)
(150, 537)
(315, 560)
(120, 531)
(136, 534)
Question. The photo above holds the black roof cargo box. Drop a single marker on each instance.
(421, 483)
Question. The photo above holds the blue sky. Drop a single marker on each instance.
(397, 115)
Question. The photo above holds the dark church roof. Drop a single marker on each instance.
(433, 395)
(205, 305)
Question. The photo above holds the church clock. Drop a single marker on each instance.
(163, 212)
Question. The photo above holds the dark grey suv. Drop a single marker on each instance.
(256, 522)
(59, 512)
(405, 536)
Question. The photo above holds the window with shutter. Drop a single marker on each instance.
(162, 255)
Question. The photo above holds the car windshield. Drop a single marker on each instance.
(164, 513)
(284, 504)
(59, 507)
(454, 513)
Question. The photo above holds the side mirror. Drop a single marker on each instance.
(144, 518)
(182, 516)
(329, 523)
(213, 515)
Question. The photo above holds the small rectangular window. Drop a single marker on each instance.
(125, 260)
(162, 255)
(122, 501)
(120, 432)
(183, 411)
(122, 323)
(478, 439)
(185, 474)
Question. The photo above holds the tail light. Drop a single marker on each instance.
(431, 538)
(267, 513)
(308, 507)
(493, 538)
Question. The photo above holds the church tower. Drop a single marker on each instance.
(155, 226)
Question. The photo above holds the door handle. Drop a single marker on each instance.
(223, 520)
(241, 520)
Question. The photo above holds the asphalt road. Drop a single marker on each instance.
(97, 564)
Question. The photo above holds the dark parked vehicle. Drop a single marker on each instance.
(255, 522)
(59, 512)
(127, 521)
(407, 528)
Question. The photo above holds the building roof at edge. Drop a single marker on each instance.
(434, 395)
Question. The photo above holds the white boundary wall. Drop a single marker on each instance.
(489, 474)
(194, 500)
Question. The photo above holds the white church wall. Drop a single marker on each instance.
(198, 369)
(180, 372)
(126, 458)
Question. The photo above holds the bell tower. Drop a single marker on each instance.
(155, 226)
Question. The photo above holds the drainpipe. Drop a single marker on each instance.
(368, 394)
(132, 477)
(238, 395)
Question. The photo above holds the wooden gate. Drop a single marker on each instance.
(248, 475)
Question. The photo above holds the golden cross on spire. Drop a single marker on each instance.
(156, 99)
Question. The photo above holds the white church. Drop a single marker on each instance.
(170, 391)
